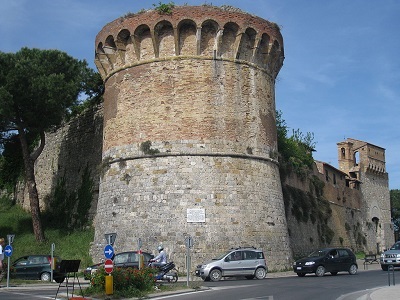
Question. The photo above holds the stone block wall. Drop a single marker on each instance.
(198, 84)
(68, 151)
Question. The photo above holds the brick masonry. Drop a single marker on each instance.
(202, 91)
(199, 85)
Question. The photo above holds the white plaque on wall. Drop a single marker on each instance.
(196, 215)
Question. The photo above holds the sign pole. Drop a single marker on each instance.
(53, 247)
(141, 260)
(189, 244)
(8, 251)
(109, 264)
(8, 271)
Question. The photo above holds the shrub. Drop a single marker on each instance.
(164, 9)
(128, 282)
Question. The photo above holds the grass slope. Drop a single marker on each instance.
(68, 245)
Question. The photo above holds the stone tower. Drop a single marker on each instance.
(190, 144)
(365, 165)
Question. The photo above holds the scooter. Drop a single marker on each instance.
(165, 273)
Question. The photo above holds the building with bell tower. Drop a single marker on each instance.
(364, 164)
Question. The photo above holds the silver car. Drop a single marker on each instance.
(391, 257)
(247, 262)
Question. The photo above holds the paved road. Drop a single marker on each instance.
(368, 284)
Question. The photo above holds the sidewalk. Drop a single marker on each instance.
(381, 293)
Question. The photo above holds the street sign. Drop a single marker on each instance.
(108, 266)
(8, 250)
(10, 238)
(108, 251)
(110, 238)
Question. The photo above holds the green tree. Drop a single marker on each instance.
(395, 208)
(38, 88)
(295, 151)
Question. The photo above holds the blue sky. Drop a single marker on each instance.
(341, 74)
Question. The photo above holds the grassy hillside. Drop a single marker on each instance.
(68, 245)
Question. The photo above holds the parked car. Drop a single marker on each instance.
(129, 259)
(391, 257)
(331, 260)
(248, 262)
(36, 267)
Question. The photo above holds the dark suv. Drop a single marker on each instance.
(121, 260)
(36, 267)
(247, 262)
(331, 260)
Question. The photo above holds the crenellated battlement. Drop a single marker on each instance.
(199, 85)
(195, 32)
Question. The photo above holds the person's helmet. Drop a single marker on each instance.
(160, 248)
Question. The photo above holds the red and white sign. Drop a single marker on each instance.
(108, 266)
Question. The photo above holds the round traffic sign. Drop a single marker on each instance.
(8, 250)
(108, 266)
(108, 251)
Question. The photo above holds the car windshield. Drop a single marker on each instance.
(395, 247)
(318, 253)
(221, 255)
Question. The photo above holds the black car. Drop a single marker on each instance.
(36, 267)
(129, 259)
(331, 260)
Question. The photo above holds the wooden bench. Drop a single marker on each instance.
(370, 259)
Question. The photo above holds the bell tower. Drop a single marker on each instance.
(366, 168)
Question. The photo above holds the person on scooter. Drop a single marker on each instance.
(160, 259)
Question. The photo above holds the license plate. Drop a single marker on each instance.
(298, 268)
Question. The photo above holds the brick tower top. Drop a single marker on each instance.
(206, 32)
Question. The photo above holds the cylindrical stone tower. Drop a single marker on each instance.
(190, 146)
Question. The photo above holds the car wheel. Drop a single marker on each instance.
(353, 269)
(301, 274)
(320, 271)
(334, 273)
(384, 268)
(215, 275)
(260, 273)
(45, 276)
(250, 277)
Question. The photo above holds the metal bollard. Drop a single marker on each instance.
(391, 269)
(109, 285)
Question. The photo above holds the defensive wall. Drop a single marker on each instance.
(188, 125)
(348, 220)
(69, 151)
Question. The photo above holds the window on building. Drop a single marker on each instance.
(356, 158)
(343, 151)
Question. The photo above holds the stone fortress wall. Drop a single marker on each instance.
(348, 204)
(69, 150)
(199, 85)
(210, 118)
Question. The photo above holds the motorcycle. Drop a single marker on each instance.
(165, 273)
